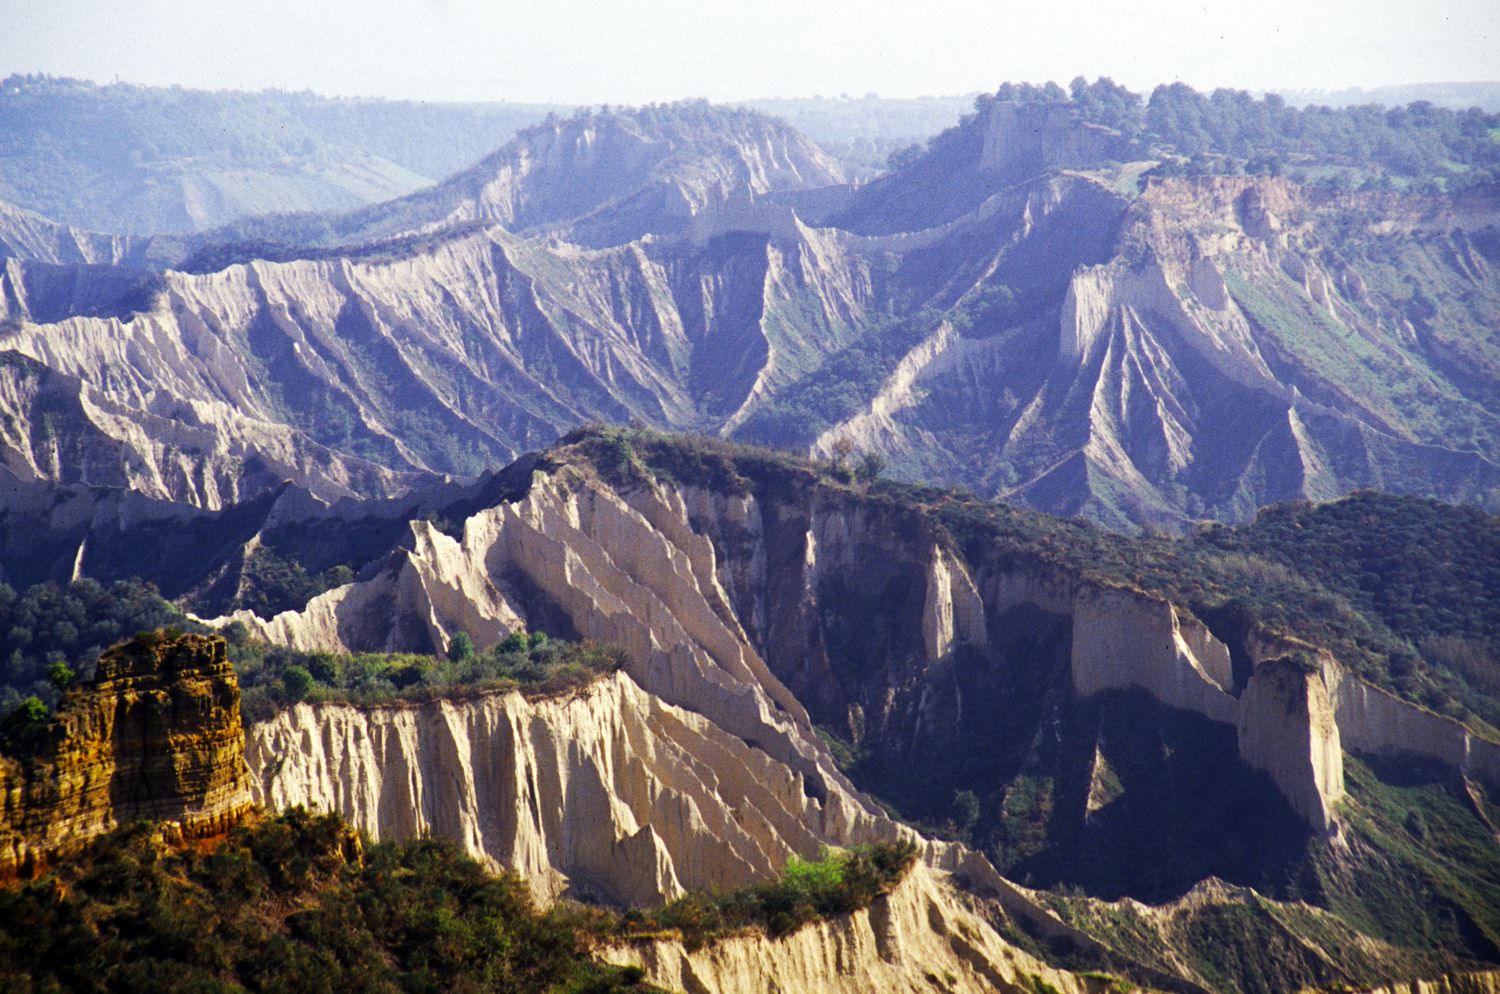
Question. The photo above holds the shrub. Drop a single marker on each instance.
(296, 683)
(60, 674)
(294, 902)
(460, 647)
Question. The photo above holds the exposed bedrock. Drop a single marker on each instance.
(734, 606)
(156, 736)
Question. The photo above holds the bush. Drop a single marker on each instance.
(296, 683)
(275, 676)
(460, 647)
(60, 674)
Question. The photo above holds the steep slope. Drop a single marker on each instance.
(622, 798)
(28, 236)
(353, 374)
(1249, 341)
(774, 618)
(1144, 342)
(290, 902)
(921, 936)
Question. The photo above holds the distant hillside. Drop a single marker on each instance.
(596, 178)
(144, 160)
(865, 131)
(1143, 311)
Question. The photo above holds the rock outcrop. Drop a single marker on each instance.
(1287, 728)
(597, 179)
(1207, 347)
(606, 793)
(680, 579)
(156, 736)
(1485, 982)
(921, 936)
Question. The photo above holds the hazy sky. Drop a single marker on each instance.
(635, 51)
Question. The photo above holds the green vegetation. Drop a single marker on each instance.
(51, 637)
(1418, 869)
(273, 677)
(840, 386)
(1401, 589)
(48, 631)
(294, 903)
(839, 882)
(1230, 131)
(272, 583)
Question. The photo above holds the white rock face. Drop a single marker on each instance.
(1372, 720)
(640, 572)
(25, 235)
(1287, 728)
(953, 610)
(1285, 721)
(919, 937)
(604, 793)
(1122, 639)
(1485, 982)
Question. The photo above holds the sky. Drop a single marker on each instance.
(641, 51)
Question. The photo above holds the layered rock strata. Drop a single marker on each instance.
(157, 736)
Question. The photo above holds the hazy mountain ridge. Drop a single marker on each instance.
(148, 160)
(1119, 340)
(597, 179)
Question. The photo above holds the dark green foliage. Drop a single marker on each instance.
(22, 729)
(460, 647)
(965, 811)
(1231, 131)
(47, 633)
(838, 883)
(271, 582)
(289, 905)
(1365, 582)
(838, 387)
(869, 467)
(296, 683)
(1408, 589)
(60, 674)
(46, 625)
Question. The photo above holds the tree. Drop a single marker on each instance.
(296, 683)
(965, 811)
(871, 465)
(903, 157)
(61, 675)
(460, 647)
